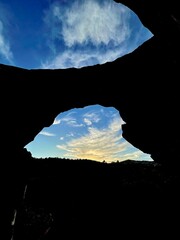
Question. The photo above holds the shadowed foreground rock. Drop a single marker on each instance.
(142, 85)
(80, 199)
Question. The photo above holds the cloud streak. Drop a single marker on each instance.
(91, 117)
(98, 144)
(69, 120)
(56, 121)
(48, 134)
(5, 50)
(81, 58)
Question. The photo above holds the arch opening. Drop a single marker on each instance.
(93, 132)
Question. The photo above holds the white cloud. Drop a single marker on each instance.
(90, 21)
(71, 121)
(79, 58)
(87, 22)
(5, 50)
(87, 121)
(70, 135)
(99, 144)
(48, 134)
(56, 121)
(93, 116)
(68, 118)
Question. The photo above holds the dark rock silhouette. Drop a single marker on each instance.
(86, 199)
(142, 85)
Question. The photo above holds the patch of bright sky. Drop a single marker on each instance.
(63, 34)
(93, 132)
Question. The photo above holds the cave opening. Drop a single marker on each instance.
(93, 132)
(62, 34)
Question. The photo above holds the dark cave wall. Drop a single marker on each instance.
(161, 17)
(142, 85)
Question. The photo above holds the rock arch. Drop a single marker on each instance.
(136, 86)
(142, 85)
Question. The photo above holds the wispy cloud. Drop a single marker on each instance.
(81, 58)
(73, 123)
(91, 117)
(87, 121)
(56, 121)
(48, 134)
(100, 27)
(92, 21)
(5, 24)
(98, 144)
(70, 135)
(5, 50)
(70, 120)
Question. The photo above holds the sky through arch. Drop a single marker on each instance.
(93, 132)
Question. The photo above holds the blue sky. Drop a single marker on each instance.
(63, 34)
(93, 132)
